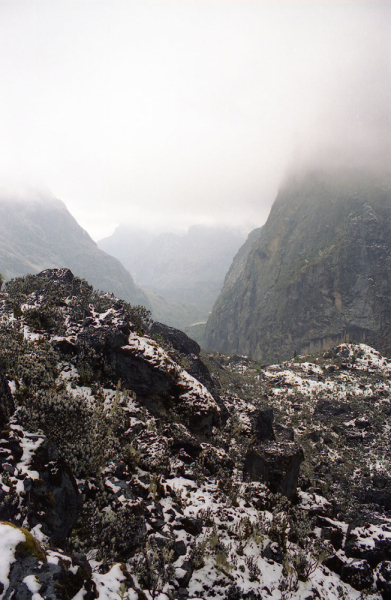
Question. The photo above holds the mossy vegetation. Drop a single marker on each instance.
(30, 547)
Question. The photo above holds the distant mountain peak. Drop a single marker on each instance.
(37, 232)
(315, 274)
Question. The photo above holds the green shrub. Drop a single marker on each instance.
(32, 363)
(83, 432)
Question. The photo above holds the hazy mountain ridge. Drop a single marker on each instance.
(39, 232)
(187, 271)
(317, 273)
(180, 467)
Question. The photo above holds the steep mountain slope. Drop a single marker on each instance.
(129, 470)
(39, 233)
(182, 274)
(316, 274)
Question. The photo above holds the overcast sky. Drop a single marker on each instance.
(165, 114)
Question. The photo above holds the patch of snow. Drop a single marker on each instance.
(10, 537)
(31, 582)
(37, 533)
(12, 386)
(30, 442)
(109, 585)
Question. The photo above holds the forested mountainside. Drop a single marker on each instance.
(315, 275)
(38, 232)
(182, 274)
(133, 466)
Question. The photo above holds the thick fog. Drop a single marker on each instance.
(165, 114)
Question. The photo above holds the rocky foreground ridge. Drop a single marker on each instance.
(134, 466)
(315, 275)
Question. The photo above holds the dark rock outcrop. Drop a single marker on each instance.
(49, 497)
(216, 460)
(54, 494)
(358, 574)
(179, 340)
(315, 275)
(111, 350)
(56, 576)
(188, 348)
(262, 424)
(181, 439)
(384, 580)
(276, 465)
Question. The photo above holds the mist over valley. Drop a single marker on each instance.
(195, 300)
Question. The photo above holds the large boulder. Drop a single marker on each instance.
(54, 494)
(358, 574)
(383, 581)
(188, 348)
(369, 542)
(262, 424)
(275, 464)
(180, 438)
(178, 339)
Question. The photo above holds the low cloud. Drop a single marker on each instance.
(165, 114)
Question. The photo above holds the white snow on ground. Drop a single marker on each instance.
(151, 352)
(34, 586)
(12, 386)
(30, 442)
(110, 586)
(369, 534)
(10, 537)
(309, 501)
(293, 379)
(241, 554)
(31, 335)
(370, 359)
(37, 533)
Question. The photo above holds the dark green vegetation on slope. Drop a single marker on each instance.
(318, 273)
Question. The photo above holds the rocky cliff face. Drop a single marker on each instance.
(39, 233)
(317, 273)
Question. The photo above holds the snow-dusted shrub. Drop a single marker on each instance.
(154, 567)
(45, 318)
(83, 432)
(32, 364)
(69, 422)
(305, 564)
(86, 361)
(115, 531)
(11, 509)
(253, 569)
(236, 593)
